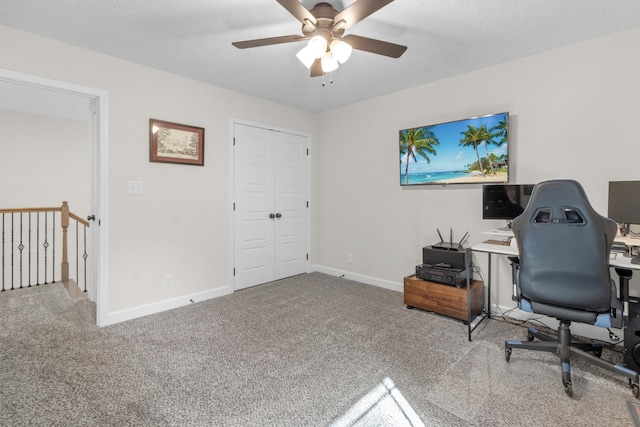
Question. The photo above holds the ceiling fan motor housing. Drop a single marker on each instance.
(324, 14)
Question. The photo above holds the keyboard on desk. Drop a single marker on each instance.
(498, 242)
(618, 247)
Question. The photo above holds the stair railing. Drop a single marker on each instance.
(29, 246)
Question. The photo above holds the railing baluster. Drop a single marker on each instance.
(77, 260)
(29, 252)
(85, 255)
(3, 252)
(46, 245)
(12, 255)
(53, 248)
(38, 250)
(20, 248)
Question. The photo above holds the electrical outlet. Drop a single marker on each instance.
(349, 258)
(168, 281)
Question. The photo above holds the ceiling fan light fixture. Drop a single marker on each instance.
(341, 50)
(329, 63)
(306, 56)
(318, 46)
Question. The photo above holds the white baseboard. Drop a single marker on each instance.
(381, 283)
(157, 307)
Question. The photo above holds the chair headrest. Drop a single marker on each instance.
(559, 201)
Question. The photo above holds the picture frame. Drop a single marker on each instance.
(175, 143)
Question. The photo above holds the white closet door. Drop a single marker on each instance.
(254, 203)
(270, 205)
(291, 205)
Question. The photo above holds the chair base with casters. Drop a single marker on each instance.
(565, 350)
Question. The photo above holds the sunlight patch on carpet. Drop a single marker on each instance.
(383, 405)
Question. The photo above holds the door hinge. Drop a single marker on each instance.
(307, 203)
(234, 206)
(307, 257)
(307, 151)
(234, 271)
(234, 141)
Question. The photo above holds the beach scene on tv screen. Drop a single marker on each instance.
(459, 152)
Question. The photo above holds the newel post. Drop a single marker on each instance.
(65, 225)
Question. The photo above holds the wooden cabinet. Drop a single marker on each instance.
(444, 299)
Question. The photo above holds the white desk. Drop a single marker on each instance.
(619, 262)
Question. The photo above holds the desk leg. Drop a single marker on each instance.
(624, 275)
(488, 300)
(467, 266)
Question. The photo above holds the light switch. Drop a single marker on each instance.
(135, 187)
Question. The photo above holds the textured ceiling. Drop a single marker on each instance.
(193, 38)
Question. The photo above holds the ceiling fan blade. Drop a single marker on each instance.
(316, 68)
(268, 41)
(375, 46)
(298, 10)
(359, 10)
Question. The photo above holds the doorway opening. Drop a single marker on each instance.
(60, 93)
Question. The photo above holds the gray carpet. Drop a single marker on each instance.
(312, 350)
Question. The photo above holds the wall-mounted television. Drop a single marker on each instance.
(469, 151)
(505, 201)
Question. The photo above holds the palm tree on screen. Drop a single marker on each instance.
(500, 134)
(488, 140)
(472, 137)
(500, 131)
(417, 141)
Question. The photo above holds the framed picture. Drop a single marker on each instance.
(175, 143)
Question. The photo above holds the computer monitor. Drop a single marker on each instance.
(505, 201)
(624, 202)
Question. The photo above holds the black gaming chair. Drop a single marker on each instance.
(563, 272)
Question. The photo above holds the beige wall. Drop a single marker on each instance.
(29, 174)
(180, 226)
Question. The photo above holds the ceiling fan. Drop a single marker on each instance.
(324, 27)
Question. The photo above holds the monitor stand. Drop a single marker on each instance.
(507, 228)
(632, 231)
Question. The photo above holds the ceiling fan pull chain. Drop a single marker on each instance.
(330, 78)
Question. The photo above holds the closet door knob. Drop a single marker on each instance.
(271, 216)
(278, 215)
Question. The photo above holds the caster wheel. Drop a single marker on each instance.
(507, 354)
(529, 337)
(568, 388)
(597, 353)
(635, 390)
